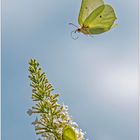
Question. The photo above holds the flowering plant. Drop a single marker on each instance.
(53, 121)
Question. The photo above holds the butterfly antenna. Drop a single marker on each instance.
(73, 25)
(72, 35)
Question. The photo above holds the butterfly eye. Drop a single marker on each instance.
(100, 16)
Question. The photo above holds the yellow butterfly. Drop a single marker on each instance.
(95, 17)
(69, 134)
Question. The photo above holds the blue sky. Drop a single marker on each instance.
(96, 77)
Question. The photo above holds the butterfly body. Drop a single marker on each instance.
(95, 17)
(90, 31)
(84, 30)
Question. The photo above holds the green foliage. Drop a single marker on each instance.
(53, 121)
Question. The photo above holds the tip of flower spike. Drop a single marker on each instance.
(47, 107)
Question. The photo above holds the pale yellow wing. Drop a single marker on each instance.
(100, 20)
(87, 8)
(69, 134)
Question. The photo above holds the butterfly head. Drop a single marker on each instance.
(78, 30)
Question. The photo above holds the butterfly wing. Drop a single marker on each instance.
(100, 20)
(69, 134)
(87, 8)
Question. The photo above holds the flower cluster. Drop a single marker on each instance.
(52, 117)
